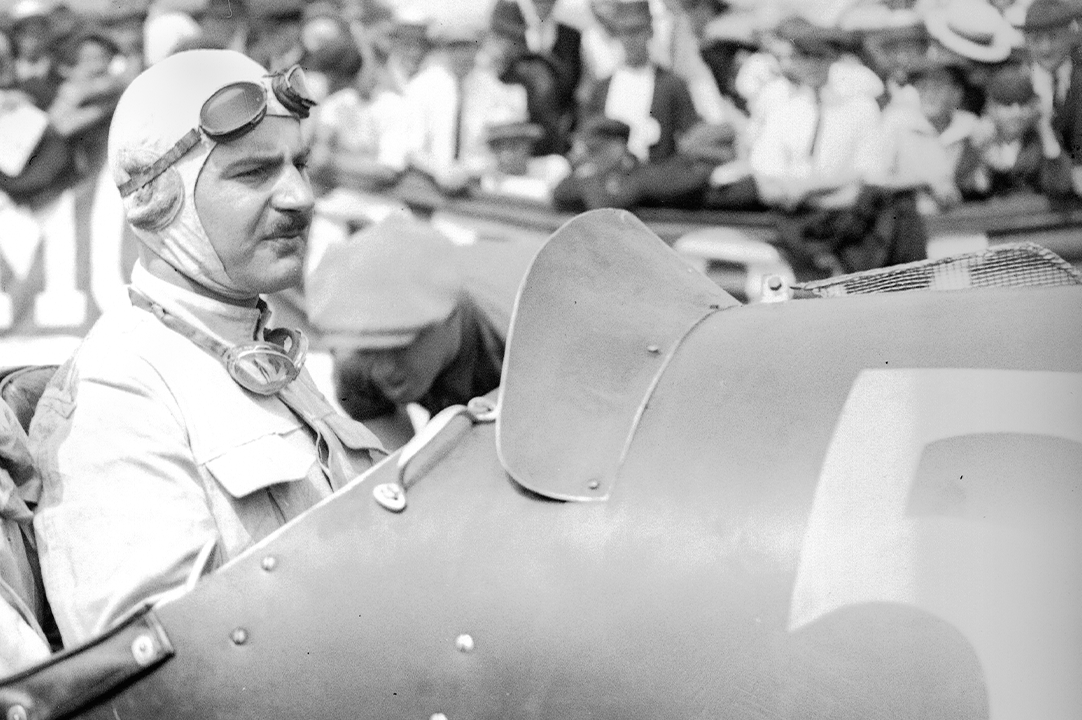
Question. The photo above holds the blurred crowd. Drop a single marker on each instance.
(853, 132)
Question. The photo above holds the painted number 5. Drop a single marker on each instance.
(1012, 593)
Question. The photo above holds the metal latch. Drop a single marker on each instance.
(392, 496)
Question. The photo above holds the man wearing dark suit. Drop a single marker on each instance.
(655, 125)
(561, 43)
(549, 103)
(1053, 43)
(654, 103)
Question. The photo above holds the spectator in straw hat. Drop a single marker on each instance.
(972, 29)
(1054, 45)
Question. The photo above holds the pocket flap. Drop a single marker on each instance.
(258, 464)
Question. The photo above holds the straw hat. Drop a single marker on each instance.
(973, 29)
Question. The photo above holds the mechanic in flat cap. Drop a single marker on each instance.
(411, 317)
(184, 429)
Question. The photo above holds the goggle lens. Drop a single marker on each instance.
(233, 110)
(230, 113)
(267, 367)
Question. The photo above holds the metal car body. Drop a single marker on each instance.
(676, 506)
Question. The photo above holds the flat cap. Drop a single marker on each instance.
(380, 288)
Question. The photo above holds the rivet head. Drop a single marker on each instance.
(16, 712)
(239, 636)
(653, 349)
(391, 496)
(438, 716)
(269, 563)
(464, 643)
(593, 484)
(482, 408)
(774, 282)
(143, 649)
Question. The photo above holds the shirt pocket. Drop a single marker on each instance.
(258, 464)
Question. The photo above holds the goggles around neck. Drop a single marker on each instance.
(230, 113)
(261, 366)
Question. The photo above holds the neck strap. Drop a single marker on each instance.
(204, 340)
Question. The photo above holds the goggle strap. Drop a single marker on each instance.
(295, 100)
(179, 150)
(220, 350)
(215, 347)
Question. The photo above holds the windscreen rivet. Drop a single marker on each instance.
(269, 563)
(391, 496)
(438, 716)
(464, 643)
(239, 636)
(143, 650)
(653, 349)
(593, 484)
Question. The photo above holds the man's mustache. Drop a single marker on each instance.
(291, 224)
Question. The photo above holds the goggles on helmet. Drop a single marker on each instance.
(261, 366)
(230, 113)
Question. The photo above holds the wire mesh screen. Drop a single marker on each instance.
(1007, 265)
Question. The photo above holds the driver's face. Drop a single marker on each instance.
(255, 202)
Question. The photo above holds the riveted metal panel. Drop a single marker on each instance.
(601, 311)
(752, 561)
